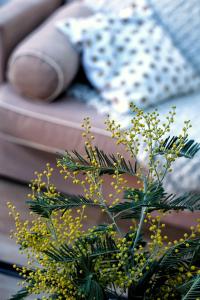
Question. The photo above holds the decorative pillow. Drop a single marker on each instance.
(129, 57)
(182, 20)
(45, 63)
(4, 2)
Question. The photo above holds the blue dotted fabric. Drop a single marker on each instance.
(181, 18)
(3, 2)
(130, 58)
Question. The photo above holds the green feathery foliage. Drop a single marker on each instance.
(44, 205)
(154, 199)
(191, 289)
(20, 295)
(137, 261)
(186, 148)
(106, 164)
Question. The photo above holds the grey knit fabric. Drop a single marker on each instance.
(181, 18)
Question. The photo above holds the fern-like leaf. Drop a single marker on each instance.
(154, 199)
(98, 244)
(136, 199)
(20, 295)
(44, 206)
(112, 295)
(62, 254)
(186, 148)
(189, 201)
(193, 292)
(180, 254)
(91, 289)
(107, 164)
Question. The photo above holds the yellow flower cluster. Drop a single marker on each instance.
(147, 133)
(62, 253)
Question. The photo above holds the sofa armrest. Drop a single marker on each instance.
(17, 19)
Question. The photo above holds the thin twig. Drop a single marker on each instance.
(142, 216)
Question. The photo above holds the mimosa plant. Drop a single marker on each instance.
(69, 261)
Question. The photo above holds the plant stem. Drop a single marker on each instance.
(142, 216)
(52, 228)
(101, 200)
(113, 220)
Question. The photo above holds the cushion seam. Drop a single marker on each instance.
(48, 119)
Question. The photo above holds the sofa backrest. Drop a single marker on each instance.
(17, 19)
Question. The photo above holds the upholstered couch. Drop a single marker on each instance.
(33, 132)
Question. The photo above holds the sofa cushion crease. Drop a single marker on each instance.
(30, 144)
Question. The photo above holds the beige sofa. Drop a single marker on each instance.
(32, 133)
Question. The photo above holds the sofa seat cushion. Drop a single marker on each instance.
(49, 127)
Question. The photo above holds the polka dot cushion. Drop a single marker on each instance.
(128, 57)
(4, 2)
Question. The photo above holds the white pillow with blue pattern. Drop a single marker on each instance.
(128, 57)
(3, 2)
